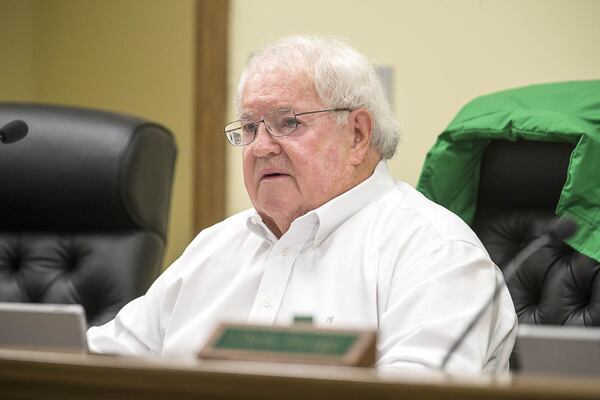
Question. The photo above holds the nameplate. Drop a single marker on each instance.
(293, 344)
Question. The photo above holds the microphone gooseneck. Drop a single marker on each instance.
(562, 229)
(13, 131)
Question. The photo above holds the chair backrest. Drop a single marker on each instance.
(508, 164)
(84, 202)
(519, 187)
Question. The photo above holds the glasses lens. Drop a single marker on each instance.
(240, 133)
(281, 122)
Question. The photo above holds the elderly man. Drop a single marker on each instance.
(331, 234)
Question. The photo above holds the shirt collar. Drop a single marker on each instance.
(333, 213)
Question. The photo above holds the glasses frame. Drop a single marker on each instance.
(225, 131)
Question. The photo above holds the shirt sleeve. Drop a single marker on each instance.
(138, 328)
(433, 299)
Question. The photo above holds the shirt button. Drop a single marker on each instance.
(266, 304)
(253, 220)
(284, 252)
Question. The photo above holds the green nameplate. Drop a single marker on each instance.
(298, 343)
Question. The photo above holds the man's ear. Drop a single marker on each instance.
(361, 124)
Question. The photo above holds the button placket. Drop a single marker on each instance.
(272, 286)
(277, 272)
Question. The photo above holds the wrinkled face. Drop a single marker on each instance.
(288, 176)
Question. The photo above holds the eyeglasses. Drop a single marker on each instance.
(278, 123)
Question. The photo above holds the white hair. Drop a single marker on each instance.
(343, 78)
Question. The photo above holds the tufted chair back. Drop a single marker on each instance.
(508, 164)
(519, 188)
(84, 201)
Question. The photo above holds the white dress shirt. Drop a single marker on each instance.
(380, 256)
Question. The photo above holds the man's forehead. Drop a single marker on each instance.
(265, 92)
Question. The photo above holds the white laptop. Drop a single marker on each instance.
(559, 350)
(54, 327)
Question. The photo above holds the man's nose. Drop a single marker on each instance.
(264, 144)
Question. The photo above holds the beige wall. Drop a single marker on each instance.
(17, 39)
(444, 53)
(137, 57)
(123, 55)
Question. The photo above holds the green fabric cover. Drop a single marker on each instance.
(559, 112)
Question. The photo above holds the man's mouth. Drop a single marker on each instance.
(273, 175)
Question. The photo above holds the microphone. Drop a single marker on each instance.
(13, 131)
(562, 229)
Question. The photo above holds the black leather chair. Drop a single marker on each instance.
(556, 285)
(84, 202)
(507, 164)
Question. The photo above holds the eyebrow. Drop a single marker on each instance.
(249, 115)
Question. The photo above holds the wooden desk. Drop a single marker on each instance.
(44, 375)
